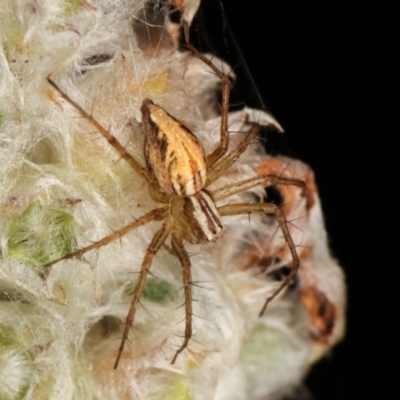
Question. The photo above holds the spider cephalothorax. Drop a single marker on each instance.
(178, 174)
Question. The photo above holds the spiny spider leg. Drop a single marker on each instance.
(150, 216)
(238, 187)
(183, 256)
(222, 165)
(245, 208)
(226, 86)
(107, 135)
(158, 240)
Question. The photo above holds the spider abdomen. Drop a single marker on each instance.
(197, 217)
(173, 154)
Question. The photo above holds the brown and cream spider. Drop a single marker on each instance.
(178, 174)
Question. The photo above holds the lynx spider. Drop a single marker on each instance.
(178, 173)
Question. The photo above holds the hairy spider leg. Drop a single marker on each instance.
(107, 135)
(145, 219)
(223, 164)
(183, 256)
(245, 208)
(158, 240)
(226, 86)
(241, 186)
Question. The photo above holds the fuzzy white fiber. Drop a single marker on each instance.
(63, 187)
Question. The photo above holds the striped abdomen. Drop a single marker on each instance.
(173, 154)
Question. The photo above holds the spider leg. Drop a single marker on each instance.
(152, 215)
(244, 208)
(155, 245)
(241, 186)
(226, 87)
(222, 165)
(107, 135)
(183, 256)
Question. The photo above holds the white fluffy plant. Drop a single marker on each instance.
(62, 187)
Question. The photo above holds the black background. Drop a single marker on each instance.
(325, 70)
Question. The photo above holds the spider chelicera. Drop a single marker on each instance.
(178, 174)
